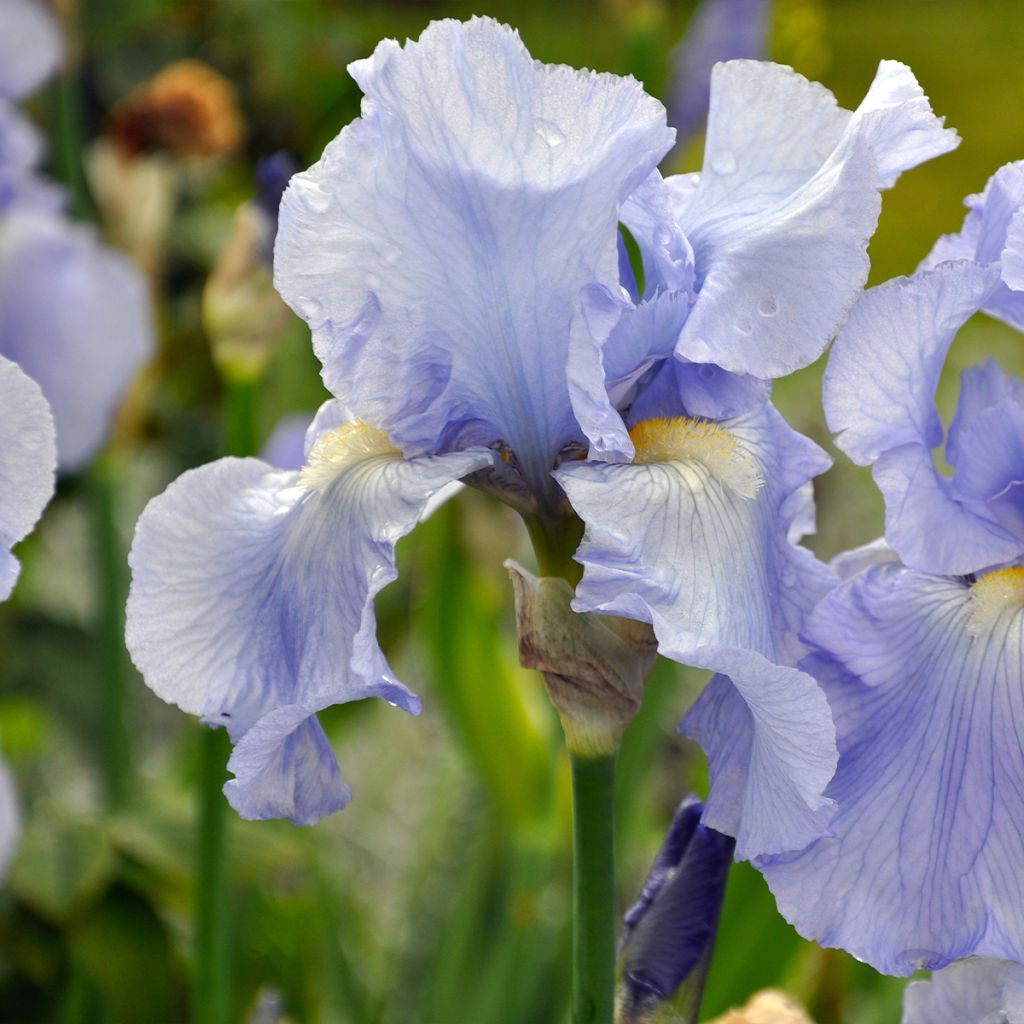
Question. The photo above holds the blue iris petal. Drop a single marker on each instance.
(252, 606)
(455, 249)
(28, 459)
(74, 314)
(922, 863)
(974, 991)
(720, 577)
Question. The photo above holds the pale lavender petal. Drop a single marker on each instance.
(30, 47)
(922, 863)
(453, 247)
(252, 605)
(28, 460)
(974, 991)
(74, 315)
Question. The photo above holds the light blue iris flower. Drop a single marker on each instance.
(456, 253)
(74, 314)
(27, 463)
(921, 649)
(976, 991)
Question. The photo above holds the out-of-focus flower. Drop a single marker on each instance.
(187, 114)
(10, 816)
(187, 110)
(670, 930)
(768, 1007)
(286, 446)
(457, 257)
(30, 47)
(923, 660)
(75, 316)
(720, 30)
(974, 991)
(28, 460)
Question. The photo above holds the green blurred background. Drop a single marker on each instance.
(441, 893)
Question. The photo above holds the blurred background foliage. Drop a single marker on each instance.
(441, 893)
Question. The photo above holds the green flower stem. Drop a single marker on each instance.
(212, 969)
(115, 674)
(593, 825)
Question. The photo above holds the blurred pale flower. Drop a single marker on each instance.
(28, 460)
(768, 1007)
(456, 254)
(923, 659)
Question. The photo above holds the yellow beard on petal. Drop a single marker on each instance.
(993, 594)
(685, 439)
(341, 448)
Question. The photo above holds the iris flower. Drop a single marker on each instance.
(456, 253)
(921, 649)
(74, 314)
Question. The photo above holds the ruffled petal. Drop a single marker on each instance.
(701, 548)
(981, 386)
(879, 389)
(720, 30)
(928, 527)
(922, 863)
(450, 248)
(992, 234)
(75, 316)
(785, 205)
(974, 991)
(30, 47)
(28, 461)
(252, 603)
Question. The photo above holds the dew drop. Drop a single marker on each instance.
(662, 234)
(389, 254)
(313, 196)
(723, 163)
(768, 306)
(550, 133)
(744, 326)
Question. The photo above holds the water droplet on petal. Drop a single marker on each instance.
(389, 254)
(550, 133)
(723, 163)
(662, 234)
(744, 326)
(768, 306)
(315, 199)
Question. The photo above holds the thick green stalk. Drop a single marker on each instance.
(212, 969)
(593, 824)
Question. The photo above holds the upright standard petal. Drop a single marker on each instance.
(453, 245)
(28, 460)
(784, 208)
(252, 603)
(974, 991)
(879, 388)
(696, 537)
(921, 866)
(993, 234)
(30, 47)
(75, 316)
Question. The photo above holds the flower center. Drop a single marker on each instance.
(338, 449)
(685, 439)
(993, 594)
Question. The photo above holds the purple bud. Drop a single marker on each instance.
(670, 930)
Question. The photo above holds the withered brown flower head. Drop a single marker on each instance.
(188, 109)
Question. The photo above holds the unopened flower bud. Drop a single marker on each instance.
(670, 930)
(594, 665)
